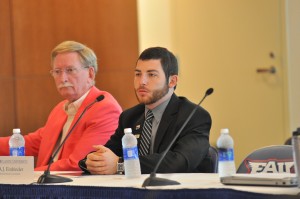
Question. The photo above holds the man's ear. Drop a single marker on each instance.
(92, 72)
(173, 81)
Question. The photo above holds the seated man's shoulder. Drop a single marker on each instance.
(137, 109)
(108, 100)
(185, 105)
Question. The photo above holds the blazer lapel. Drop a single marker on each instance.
(168, 117)
(55, 127)
(138, 127)
(89, 99)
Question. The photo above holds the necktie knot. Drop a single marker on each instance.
(149, 115)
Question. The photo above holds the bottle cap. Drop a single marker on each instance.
(127, 130)
(16, 131)
(225, 131)
(297, 132)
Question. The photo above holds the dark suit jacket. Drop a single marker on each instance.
(187, 152)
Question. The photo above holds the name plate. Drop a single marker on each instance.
(16, 169)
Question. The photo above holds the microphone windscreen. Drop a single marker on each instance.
(209, 91)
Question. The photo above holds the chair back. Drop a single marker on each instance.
(270, 159)
(210, 162)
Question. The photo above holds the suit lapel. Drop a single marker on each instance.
(168, 117)
(89, 99)
(138, 127)
(55, 127)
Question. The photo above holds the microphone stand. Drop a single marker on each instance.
(152, 180)
(47, 177)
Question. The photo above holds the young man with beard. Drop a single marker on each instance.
(156, 76)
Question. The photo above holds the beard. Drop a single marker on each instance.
(157, 95)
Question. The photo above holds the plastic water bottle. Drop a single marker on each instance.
(226, 154)
(16, 144)
(296, 153)
(132, 165)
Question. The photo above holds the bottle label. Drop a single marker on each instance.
(130, 153)
(226, 154)
(17, 151)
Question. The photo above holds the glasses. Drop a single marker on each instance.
(69, 71)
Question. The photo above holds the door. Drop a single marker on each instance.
(236, 47)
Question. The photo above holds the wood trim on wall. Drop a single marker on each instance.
(7, 91)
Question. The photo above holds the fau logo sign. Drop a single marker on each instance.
(270, 166)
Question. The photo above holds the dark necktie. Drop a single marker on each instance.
(146, 134)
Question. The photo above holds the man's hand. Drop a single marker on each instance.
(102, 161)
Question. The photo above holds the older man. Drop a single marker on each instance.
(74, 66)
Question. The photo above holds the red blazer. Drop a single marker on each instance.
(95, 127)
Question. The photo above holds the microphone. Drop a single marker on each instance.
(47, 177)
(152, 180)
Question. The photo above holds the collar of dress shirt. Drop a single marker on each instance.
(71, 108)
(158, 111)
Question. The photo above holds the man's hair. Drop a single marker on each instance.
(86, 55)
(167, 59)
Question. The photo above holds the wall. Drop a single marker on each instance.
(7, 80)
(155, 24)
(293, 51)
